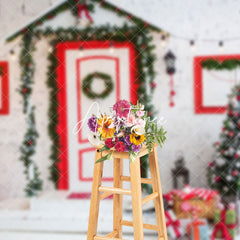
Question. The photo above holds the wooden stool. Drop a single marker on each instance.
(100, 192)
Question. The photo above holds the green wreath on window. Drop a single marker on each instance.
(88, 81)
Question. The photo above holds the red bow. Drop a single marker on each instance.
(173, 223)
(83, 8)
(221, 226)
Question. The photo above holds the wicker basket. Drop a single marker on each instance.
(207, 207)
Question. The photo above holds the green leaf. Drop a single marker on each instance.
(106, 157)
(104, 148)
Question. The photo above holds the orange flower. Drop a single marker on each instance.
(104, 122)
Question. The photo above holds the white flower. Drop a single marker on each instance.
(138, 129)
(94, 139)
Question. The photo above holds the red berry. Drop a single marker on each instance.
(230, 134)
(153, 85)
(211, 164)
(217, 179)
(238, 97)
(235, 173)
(236, 155)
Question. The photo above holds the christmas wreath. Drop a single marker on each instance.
(88, 81)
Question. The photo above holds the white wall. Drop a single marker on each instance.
(187, 132)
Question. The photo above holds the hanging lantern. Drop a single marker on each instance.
(170, 69)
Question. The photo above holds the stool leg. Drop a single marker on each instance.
(117, 198)
(136, 199)
(95, 198)
(159, 209)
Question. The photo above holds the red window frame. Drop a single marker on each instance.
(198, 84)
(4, 110)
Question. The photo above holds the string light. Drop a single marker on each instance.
(220, 45)
(163, 40)
(80, 54)
(192, 45)
(111, 49)
(12, 54)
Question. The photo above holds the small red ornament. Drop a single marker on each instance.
(238, 124)
(149, 113)
(211, 164)
(236, 114)
(238, 97)
(236, 155)
(171, 104)
(129, 17)
(230, 113)
(102, 3)
(230, 134)
(172, 93)
(143, 46)
(30, 142)
(223, 129)
(24, 30)
(216, 143)
(153, 85)
(217, 179)
(145, 24)
(24, 90)
(117, 9)
(235, 173)
(223, 152)
(50, 16)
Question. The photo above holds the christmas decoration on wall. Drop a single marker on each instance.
(145, 74)
(223, 172)
(34, 184)
(228, 64)
(27, 149)
(170, 69)
(78, 7)
(88, 81)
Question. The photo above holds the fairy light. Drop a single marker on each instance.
(192, 45)
(163, 40)
(111, 48)
(12, 54)
(80, 54)
(220, 46)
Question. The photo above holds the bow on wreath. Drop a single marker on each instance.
(82, 7)
(222, 227)
(174, 223)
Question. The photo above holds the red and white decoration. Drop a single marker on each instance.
(173, 225)
(211, 88)
(76, 61)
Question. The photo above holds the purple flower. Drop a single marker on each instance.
(126, 149)
(92, 124)
(127, 140)
(136, 148)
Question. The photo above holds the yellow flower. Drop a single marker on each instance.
(104, 122)
(137, 139)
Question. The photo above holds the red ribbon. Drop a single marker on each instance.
(223, 227)
(173, 223)
(83, 8)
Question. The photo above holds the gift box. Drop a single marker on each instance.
(225, 223)
(173, 225)
(198, 230)
(204, 199)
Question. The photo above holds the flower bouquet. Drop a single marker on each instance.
(126, 129)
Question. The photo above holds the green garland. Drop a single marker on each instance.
(30, 138)
(87, 85)
(142, 41)
(212, 64)
(72, 5)
(28, 150)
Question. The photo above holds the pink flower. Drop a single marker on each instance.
(131, 120)
(122, 108)
(140, 113)
(140, 122)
